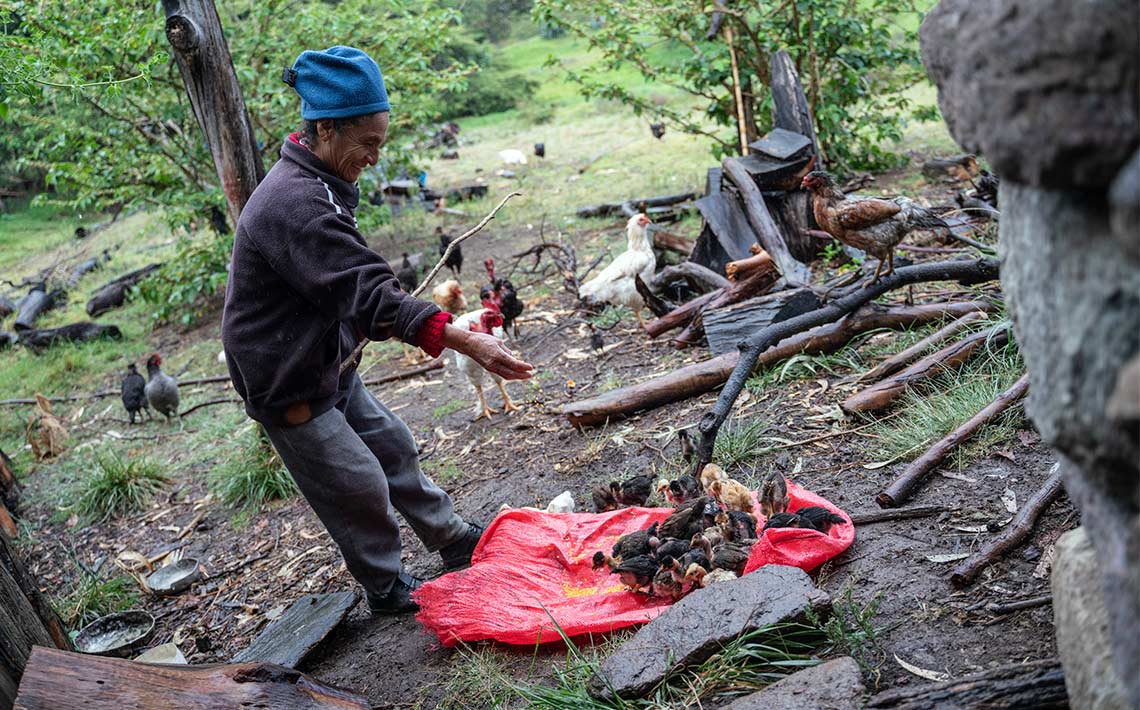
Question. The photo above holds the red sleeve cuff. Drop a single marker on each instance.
(429, 338)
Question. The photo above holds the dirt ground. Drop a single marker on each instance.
(258, 566)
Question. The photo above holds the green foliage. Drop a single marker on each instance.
(488, 89)
(852, 631)
(183, 288)
(853, 61)
(100, 139)
(491, 20)
(116, 486)
(253, 476)
(93, 597)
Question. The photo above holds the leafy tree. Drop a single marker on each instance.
(489, 88)
(852, 56)
(101, 139)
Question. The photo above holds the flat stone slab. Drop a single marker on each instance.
(289, 639)
(698, 626)
(835, 685)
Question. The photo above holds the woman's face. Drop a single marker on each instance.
(355, 147)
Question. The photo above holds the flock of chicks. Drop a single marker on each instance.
(708, 538)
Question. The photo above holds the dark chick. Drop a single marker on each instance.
(603, 499)
(455, 261)
(161, 389)
(635, 544)
(820, 518)
(637, 572)
(685, 521)
(668, 547)
(134, 393)
(407, 275)
(787, 520)
(684, 488)
(632, 491)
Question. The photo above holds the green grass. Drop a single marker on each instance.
(925, 417)
(115, 487)
(443, 472)
(93, 597)
(253, 476)
(478, 675)
(739, 442)
(449, 407)
(852, 631)
(27, 232)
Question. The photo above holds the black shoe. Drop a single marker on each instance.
(458, 554)
(398, 600)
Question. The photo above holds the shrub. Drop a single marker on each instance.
(116, 486)
(253, 476)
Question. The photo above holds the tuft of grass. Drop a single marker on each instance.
(446, 408)
(443, 471)
(116, 486)
(955, 397)
(739, 442)
(851, 631)
(93, 597)
(253, 476)
(477, 674)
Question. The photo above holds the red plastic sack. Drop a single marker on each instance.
(533, 568)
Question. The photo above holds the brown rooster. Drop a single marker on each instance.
(873, 225)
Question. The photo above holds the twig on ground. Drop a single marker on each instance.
(882, 516)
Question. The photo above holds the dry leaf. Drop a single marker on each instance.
(936, 676)
(1005, 454)
(72, 520)
(957, 476)
(949, 557)
(1045, 564)
(1009, 500)
(1028, 437)
(45, 434)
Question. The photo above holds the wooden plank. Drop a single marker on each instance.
(727, 234)
(289, 639)
(9, 486)
(49, 621)
(790, 108)
(771, 175)
(727, 326)
(781, 144)
(760, 219)
(58, 679)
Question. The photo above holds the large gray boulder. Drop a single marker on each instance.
(1081, 618)
(699, 625)
(1047, 90)
(835, 685)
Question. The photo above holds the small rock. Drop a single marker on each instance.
(835, 685)
(699, 625)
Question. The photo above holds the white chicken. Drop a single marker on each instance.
(615, 283)
(484, 320)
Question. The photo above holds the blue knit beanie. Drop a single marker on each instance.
(337, 83)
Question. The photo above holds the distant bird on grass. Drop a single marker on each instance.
(407, 275)
(161, 389)
(658, 129)
(540, 150)
(455, 261)
(134, 393)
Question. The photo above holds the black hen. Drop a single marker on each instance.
(407, 275)
(658, 130)
(134, 393)
(632, 491)
(455, 261)
(540, 150)
(502, 294)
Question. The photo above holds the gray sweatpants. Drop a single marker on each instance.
(355, 467)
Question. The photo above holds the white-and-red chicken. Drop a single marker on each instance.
(615, 283)
(484, 320)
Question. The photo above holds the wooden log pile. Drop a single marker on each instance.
(113, 294)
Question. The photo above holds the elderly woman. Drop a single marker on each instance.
(304, 288)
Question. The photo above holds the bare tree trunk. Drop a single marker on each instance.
(195, 34)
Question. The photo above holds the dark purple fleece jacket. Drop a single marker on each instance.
(303, 287)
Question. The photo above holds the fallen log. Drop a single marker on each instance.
(966, 272)
(696, 379)
(680, 315)
(609, 209)
(1012, 535)
(899, 360)
(9, 486)
(7, 339)
(7, 307)
(668, 241)
(954, 168)
(883, 394)
(1038, 684)
(82, 332)
(700, 278)
(435, 364)
(762, 225)
(921, 467)
(58, 679)
(750, 278)
(883, 516)
(113, 294)
(726, 326)
(32, 306)
(1002, 608)
(86, 266)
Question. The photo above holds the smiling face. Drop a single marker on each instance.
(354, 147)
